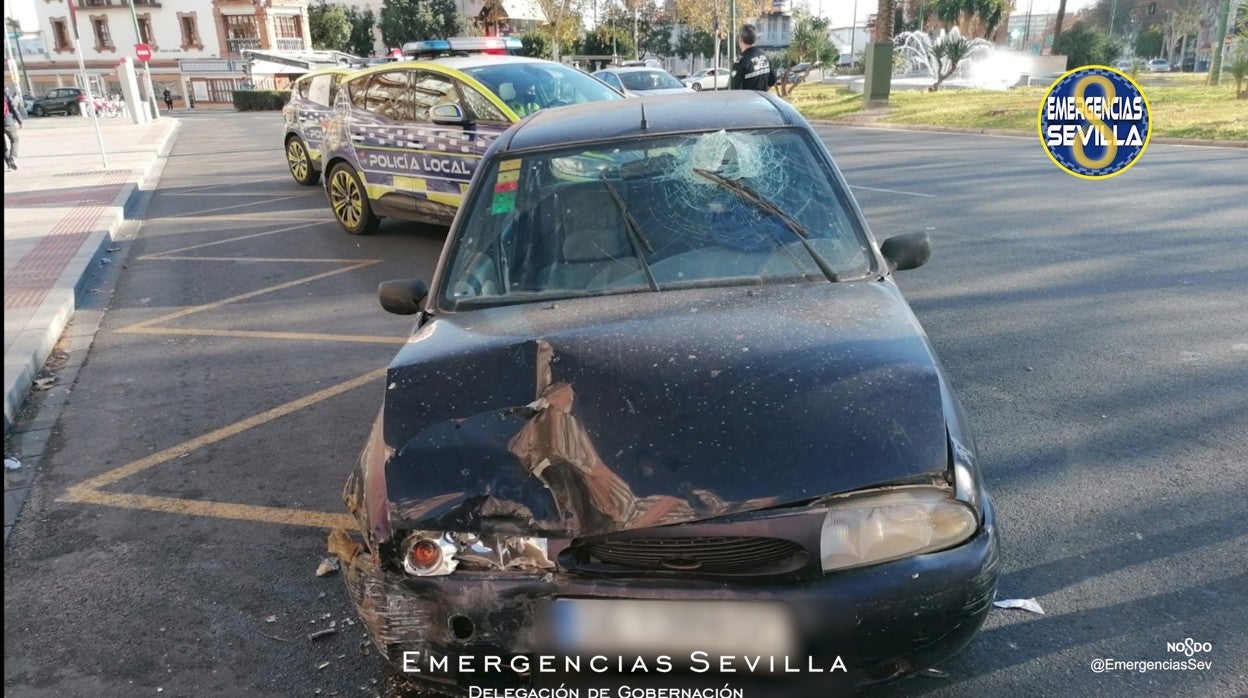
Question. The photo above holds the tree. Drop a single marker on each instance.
(712, 16)
(694, 43)
(971, 15)
(361, 42)
(606, 40)
(810, 45)
(1083, 45)
(1148, 43)
(1061, 15)
(414, 20)
(563, 23)
(536, 45)
(329, 27)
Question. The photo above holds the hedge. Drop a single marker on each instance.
(260, 100)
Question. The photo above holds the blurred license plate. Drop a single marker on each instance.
(677, 628)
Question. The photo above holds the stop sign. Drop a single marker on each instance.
(143, 52)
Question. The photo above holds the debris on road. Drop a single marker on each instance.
(12, 464)
(934, 673)
(1021, 604)
(274, 637)
(328, 566)
(270, 619)
(322, 633)
(322, 665)
(44, 383)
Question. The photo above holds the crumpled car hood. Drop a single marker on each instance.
(588, 416)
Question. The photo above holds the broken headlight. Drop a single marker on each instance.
(866, 530)
(428, 554)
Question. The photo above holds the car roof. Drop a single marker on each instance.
(457, 63)
(338, 70)
(671, 113)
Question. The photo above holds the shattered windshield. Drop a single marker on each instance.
(652, 214)
(529, 87)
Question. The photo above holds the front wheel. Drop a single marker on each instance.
(697, 86)
(299, 162)
(39, 110)
(349, 201)
(73, 110)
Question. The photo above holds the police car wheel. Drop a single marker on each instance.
(349, 201)
(299, 162)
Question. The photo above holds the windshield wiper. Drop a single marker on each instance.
(635, 239)
(766, 206)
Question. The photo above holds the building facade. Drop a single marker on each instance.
(196, 45)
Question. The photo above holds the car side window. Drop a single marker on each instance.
(389, 95)
(302, 87)
(357, 90)
(611, 80)
(429, 90)
(335, 84)
(318, 90)
(481, 106)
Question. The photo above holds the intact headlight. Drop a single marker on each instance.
(878, 528)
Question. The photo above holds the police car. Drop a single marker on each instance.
(405, 138)
(307, 112)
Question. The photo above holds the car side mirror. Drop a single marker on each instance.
(907, 251)
(402, 297)
(448, 115)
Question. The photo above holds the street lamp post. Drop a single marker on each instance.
(853, 35)
(147, 68)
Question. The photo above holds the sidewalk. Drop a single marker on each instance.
(62, 208)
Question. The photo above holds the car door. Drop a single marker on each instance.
(723, 78)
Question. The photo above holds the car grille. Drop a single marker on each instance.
(704, 555)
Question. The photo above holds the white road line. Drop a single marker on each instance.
(894, 191)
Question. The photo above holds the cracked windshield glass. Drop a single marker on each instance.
(718, 208)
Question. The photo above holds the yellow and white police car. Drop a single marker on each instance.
(405, 138)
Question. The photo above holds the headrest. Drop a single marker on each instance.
(595, 245)
(506, 92)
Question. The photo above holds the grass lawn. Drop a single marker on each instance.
(1180, 108)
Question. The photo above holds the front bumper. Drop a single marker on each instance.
(879, 622)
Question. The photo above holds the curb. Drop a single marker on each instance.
(1164, 140)
(57, 308)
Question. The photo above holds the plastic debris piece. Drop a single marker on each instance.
(44, 383)
(934, 673)
(12, 464)
(113, 249)
(322, 665)
(1021, 604)
(321, 633)
(270, 619)
(328, 566)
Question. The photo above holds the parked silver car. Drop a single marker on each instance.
(638, 80)
(709, 79)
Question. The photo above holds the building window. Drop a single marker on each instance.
(145, 30)
(289, 30)
(190, 30)
(60, 35)
(241, 32)
(221, 90)
(103, 39)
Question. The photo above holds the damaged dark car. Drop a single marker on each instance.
(665, 414)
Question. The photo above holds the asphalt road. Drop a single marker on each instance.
(1097, 333)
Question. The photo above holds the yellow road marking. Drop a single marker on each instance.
(233, 239)
(217, 510)
(244, 296)
(263, 334)
(225, 432)
(227, 208)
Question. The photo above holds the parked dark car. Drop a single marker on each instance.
(62, 100)
(664, 401)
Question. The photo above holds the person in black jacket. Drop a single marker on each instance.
(752, 71)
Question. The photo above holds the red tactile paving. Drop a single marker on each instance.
(35, 273)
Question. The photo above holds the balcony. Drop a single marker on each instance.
(237, 46)
(290, 44)
(114, 4)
